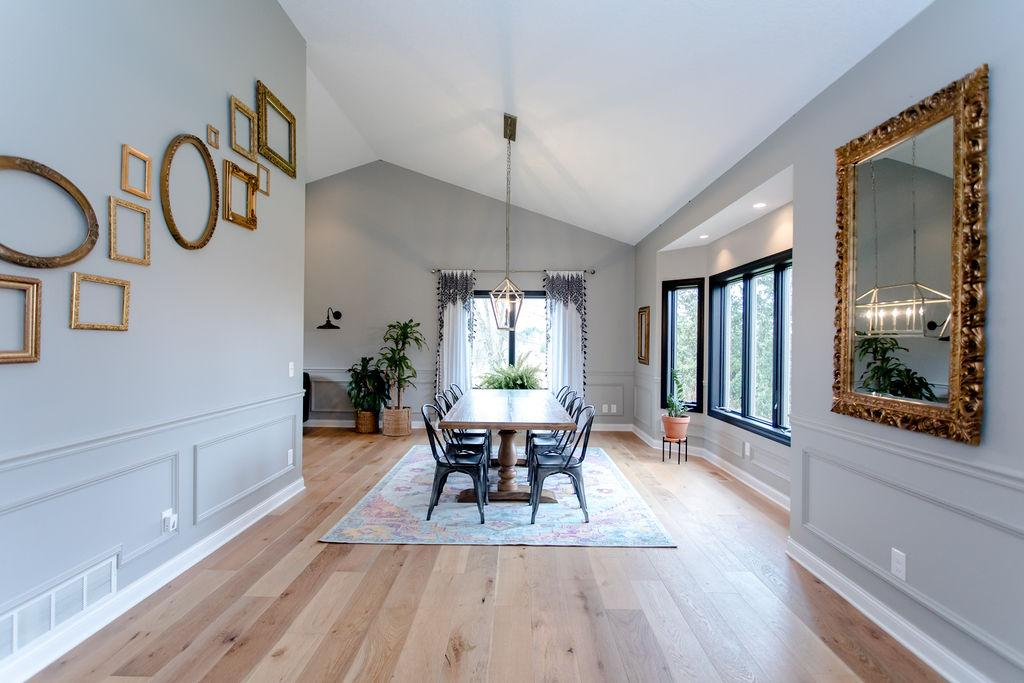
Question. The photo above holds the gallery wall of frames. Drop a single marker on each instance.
(241, 181)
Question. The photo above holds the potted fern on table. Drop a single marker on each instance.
(519, 376)
(676, 422)
(399, 374)
(368, 390)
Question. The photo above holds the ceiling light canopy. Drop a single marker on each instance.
(760, 205)
(703, 237)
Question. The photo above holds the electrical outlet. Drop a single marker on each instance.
(169, 520)
(291, 369)
(291, 456)
(899, 564)
(746, 449)
(615, 408)
(604, 407)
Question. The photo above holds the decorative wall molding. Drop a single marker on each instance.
(971, 629)
(756, 459)
(917, 641)
(42, 652)
(38, 456)
(197, 515)
(990, 473)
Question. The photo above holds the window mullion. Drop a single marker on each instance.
(777, 348)
(747, 348)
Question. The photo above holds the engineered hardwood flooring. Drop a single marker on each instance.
(274, 604)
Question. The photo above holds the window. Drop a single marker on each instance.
(492, 346)
(750, 358)
(682, 340)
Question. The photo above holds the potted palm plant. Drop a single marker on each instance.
(398, 374)
(368, 390)
(676, 423)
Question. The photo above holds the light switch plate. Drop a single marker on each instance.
(899, 564)
(291, 456)
(291, 369)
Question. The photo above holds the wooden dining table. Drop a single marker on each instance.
(508, 412)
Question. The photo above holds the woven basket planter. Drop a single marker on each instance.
(366, 422)
(396, 422)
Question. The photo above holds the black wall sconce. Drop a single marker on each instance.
(328, 325)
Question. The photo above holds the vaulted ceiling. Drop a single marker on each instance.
(627, 108)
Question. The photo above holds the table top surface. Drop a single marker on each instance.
(507, 409)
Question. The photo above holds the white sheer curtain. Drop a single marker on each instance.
(567, 328)
(454, 328)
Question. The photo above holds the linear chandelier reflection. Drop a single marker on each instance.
(507, 298)
(910, 309)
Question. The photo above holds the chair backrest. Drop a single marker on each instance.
(584, 423)
(441, 441)
(442, 403)
(574, 408)
(561, 392)
(567, 397)
(451, 396)
(457, 390)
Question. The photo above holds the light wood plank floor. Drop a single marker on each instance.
(276, 605)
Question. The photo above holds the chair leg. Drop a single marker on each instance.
(581, 494)
(480, 495)
(440, 476)
(538, 486)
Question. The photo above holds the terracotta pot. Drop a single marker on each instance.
(396, 422)
(675, 427)
(366, 422)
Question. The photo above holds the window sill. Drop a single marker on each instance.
(778, 435)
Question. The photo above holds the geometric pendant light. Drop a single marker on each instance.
(506, 298)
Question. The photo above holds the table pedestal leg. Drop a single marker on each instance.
(508, 490)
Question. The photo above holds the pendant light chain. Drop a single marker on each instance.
(508, 201)
(913, 199)
(874, 201)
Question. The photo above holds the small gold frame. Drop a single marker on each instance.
(33, 288)
(76, 292)
(966, 102)
(232, 172)
(263, 179)
(212, 136)
(128, 151)
(238, 107)
(115, 255)
(643, 335)
(265, 97)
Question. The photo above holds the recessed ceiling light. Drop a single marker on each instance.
(760, 205)
(703, 237)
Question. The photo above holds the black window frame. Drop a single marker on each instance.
(527, 294)
(668, 325)
(717, 285)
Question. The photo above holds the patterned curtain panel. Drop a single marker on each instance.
(567, 328)
(454, 328)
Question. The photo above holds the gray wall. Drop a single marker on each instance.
(373, 234)
(769, 461)
(192, 408)
(858, 488)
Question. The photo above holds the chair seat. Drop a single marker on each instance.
(544, 441)
(555, 460)
(468, 441)
(457, 456)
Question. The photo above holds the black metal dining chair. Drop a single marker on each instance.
(561, 392)
(445, 401)
(457, 390)
(552, 438)
(565, 458)
(454, 456)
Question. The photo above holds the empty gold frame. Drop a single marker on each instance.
(212, 136)
(965, 102)
(165, 191)
(265, 98)
(32, 288)
(145, 192)
(76, 294)
(233, 172)
(239, 109)
(115, 255)
(263, 179)
(643, 335)
(92, 232)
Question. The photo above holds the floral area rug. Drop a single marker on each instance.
(395, 511)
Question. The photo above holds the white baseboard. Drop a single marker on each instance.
(744, 477)
(921, 644)
(347, 424)
(612, 427)
(35, 657)
(646, 438)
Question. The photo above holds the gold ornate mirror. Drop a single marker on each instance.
(910, 276)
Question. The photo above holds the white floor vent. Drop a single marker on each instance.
(49, 611)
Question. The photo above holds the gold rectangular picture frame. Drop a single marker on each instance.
(643, 335)
(265, 98)
(239, 108)
(263, 179)
(33, 289)
(127, 151)
(115, 255)
(76, 293)
(212, 136)
(234, 172)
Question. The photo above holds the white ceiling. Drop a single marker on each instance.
(627, 108)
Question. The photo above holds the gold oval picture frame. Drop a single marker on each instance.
(165, 191)
(92, 233)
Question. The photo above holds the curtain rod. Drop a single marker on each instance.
(590, 271)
